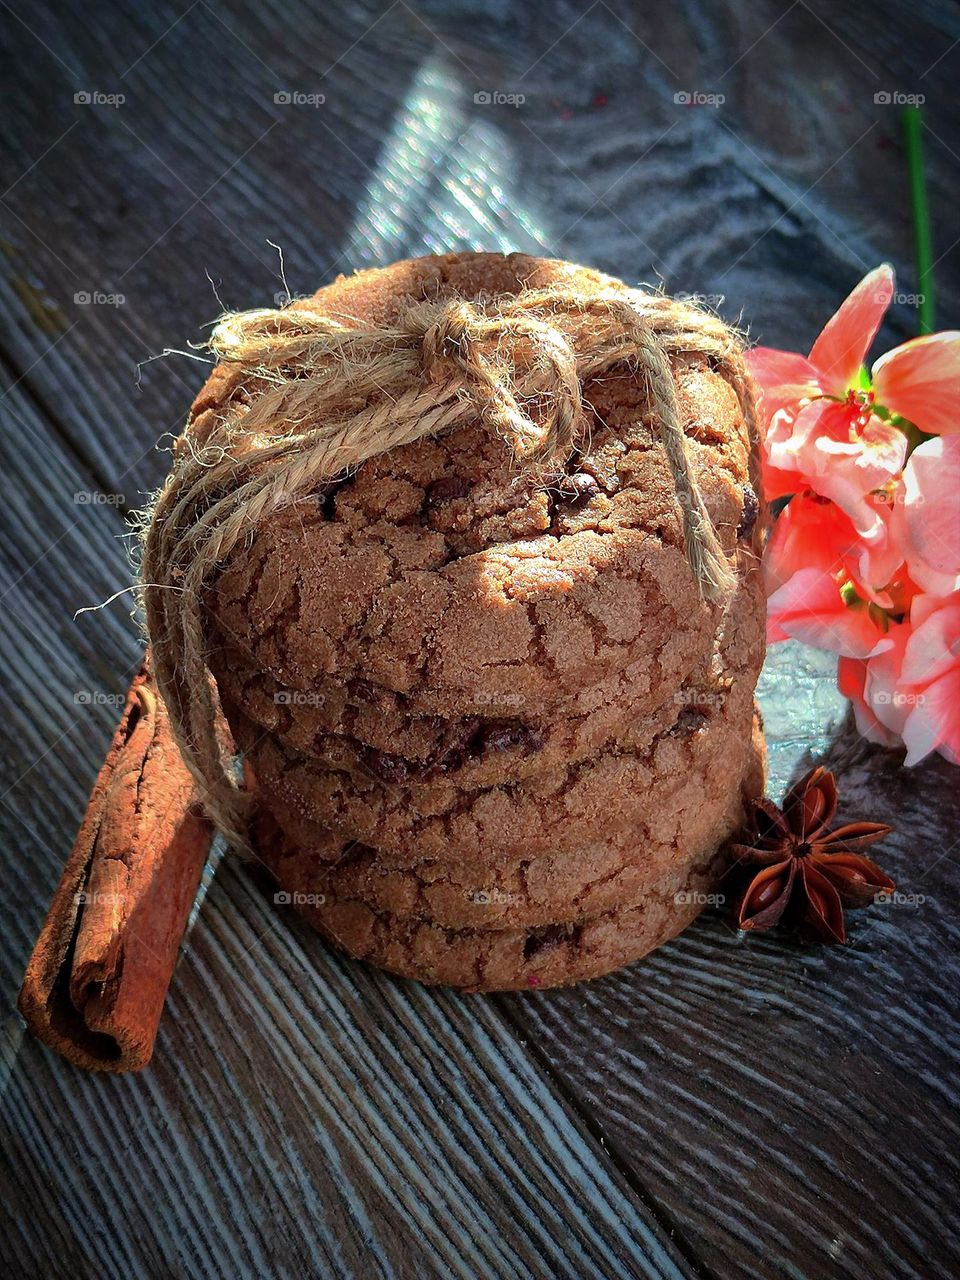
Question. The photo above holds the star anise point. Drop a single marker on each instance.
(809, 874)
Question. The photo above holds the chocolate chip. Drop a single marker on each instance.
(691, 719)
(475, 738)
(361, 690)
(554, 935)
(446, 489)
(502, 735)
(457, 745)
(578, 488)
(393, 770)
(354, 855)
(469, 740)
(748, 517)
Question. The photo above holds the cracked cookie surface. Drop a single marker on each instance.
(357, 732)
(477, 959)
(616, 869)
(658, 787)
(443, 574)
(494, 729)
(638, 777)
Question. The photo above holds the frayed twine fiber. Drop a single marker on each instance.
(333, 396)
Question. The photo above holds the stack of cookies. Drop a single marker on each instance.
(497, 738)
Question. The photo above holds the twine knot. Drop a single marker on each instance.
(330, 396)
(445, 341)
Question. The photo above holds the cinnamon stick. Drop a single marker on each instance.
(98, 976)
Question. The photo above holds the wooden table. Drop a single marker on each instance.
(722, 1109)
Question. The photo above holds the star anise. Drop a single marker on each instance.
(808, 873)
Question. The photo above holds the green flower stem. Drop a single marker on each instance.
(923, 242)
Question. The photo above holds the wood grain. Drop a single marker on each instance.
(724, 1109)
(303, 1115)
(774, 1098)
(767, 202)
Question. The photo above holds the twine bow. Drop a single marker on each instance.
(330, 396)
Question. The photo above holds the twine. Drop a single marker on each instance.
(330, 396)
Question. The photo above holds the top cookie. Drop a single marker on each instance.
(445, 573)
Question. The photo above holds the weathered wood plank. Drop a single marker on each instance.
(304, 1115)
(773, 1072)
(794, 1109)
(776, 201)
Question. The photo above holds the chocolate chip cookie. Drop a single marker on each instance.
(497, 735)
(439, 573)
(615, 870)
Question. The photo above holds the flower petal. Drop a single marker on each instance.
(879, 569)
(919, 380)
(851, 678)
(931, 503)
(846, 338)
(809, 607)
(933, 647)
(845, 459)
(771, 368)
(784, 379)
(809, 533)
(882, 687)
(933, 723)
(813, 532)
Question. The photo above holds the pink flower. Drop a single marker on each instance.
(871, 686)
(826, 586)
(864, 559)
(918, 381)
(931, 673)
(828, 429)
(843, 452)
(911, 690)
(927, 515)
